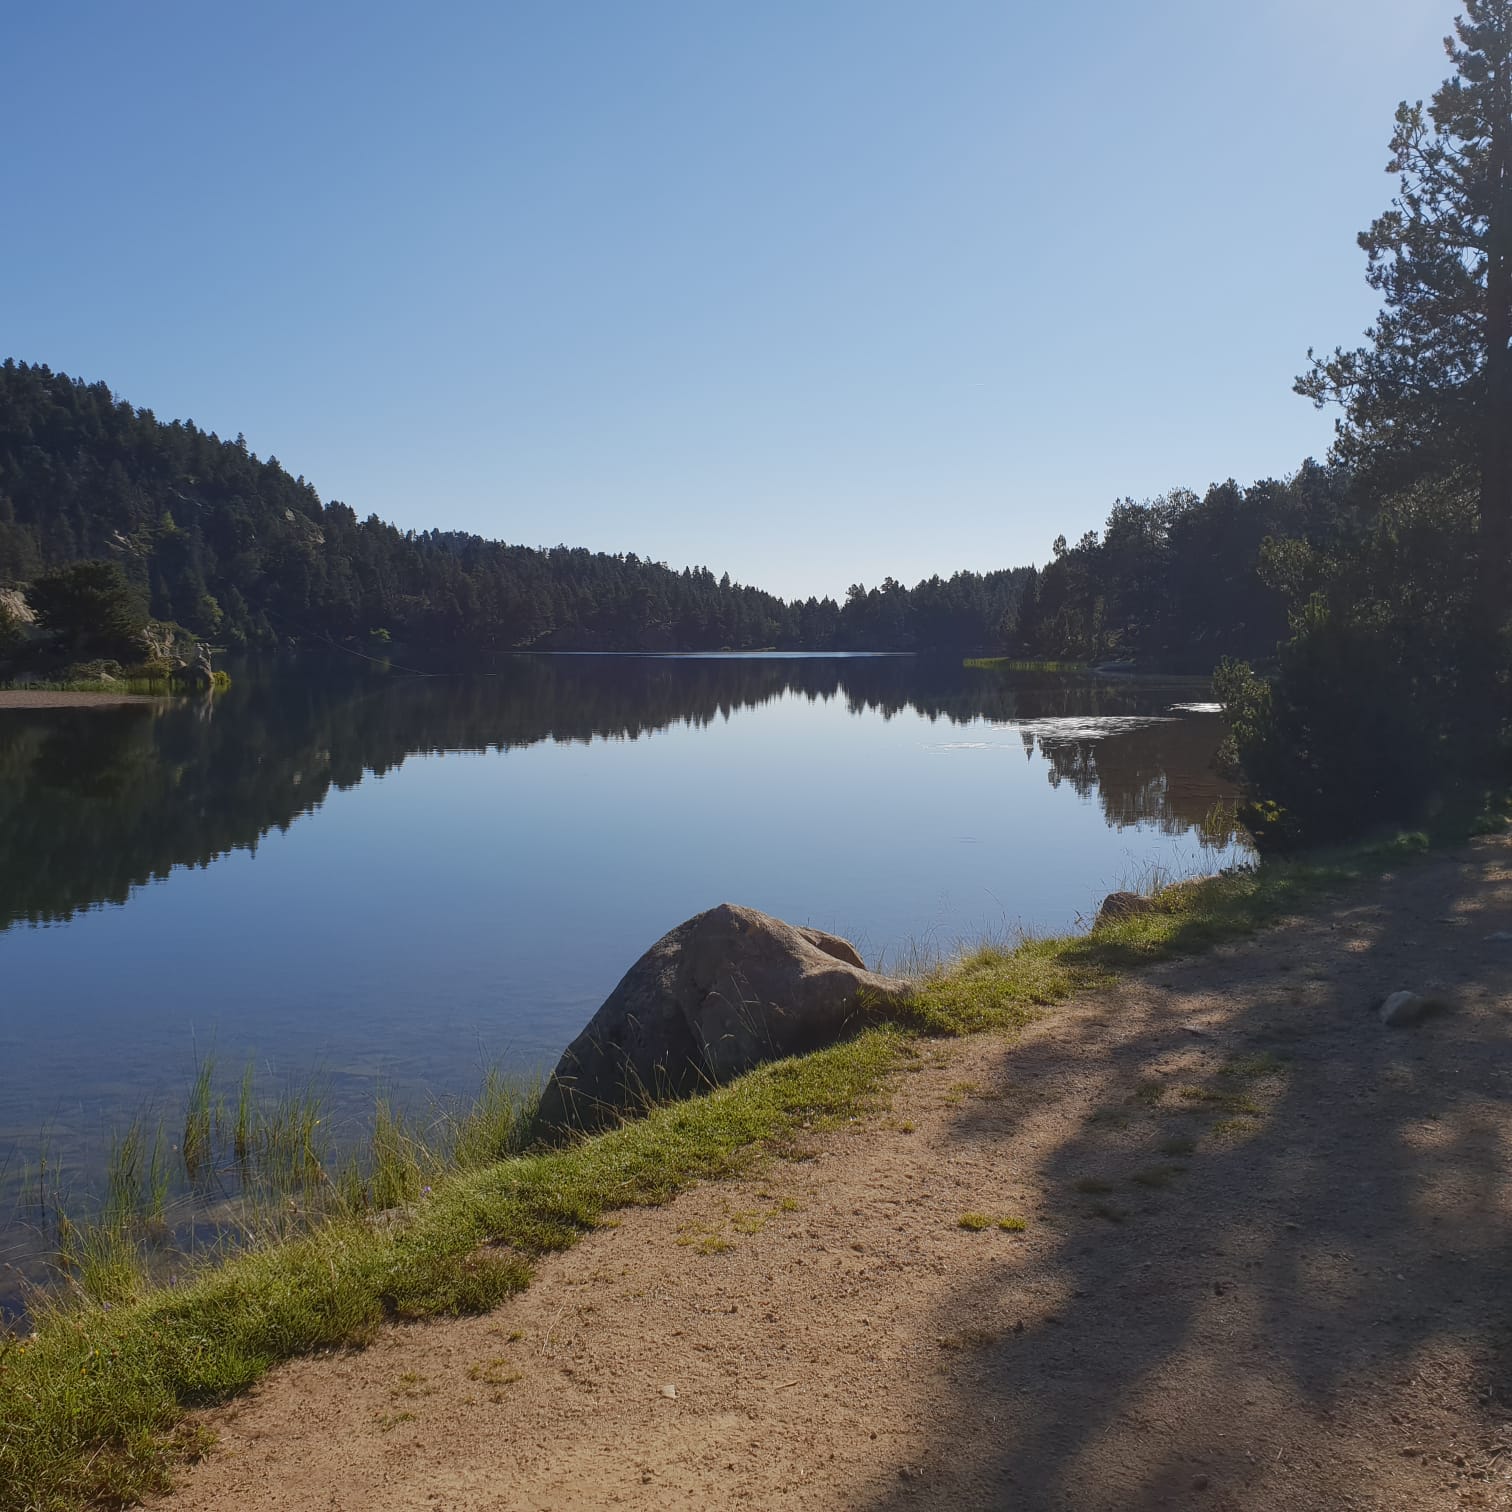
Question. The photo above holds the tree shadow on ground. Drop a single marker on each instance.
(1271, 1243)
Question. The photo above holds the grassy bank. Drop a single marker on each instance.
(1012, 664)
(149, 687)
(92, 1404)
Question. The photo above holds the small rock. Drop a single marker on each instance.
(1403, 1008)
(1118, 906)
(1412, 1450)
(1201, 1483)
(670, 1392)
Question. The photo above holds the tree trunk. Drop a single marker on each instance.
(1496, 453)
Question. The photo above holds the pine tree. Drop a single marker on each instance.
(1433, 389)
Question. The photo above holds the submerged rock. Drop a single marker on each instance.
(716, 996)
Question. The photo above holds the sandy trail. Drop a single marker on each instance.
(1309, 1310)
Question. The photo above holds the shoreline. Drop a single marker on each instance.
(1211, 1236)
(45, 698)
(487, 1231)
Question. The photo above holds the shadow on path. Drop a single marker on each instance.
(1271, 1267)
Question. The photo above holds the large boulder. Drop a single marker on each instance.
(714, 997)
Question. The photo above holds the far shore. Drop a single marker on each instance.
(46, 698)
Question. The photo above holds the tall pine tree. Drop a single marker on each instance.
(1432, 390)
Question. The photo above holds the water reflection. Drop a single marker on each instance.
(96, 803)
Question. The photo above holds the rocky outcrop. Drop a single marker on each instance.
(714, 997)
(13, 607)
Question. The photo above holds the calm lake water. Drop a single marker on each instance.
(395, 880)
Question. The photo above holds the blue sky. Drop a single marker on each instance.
(809, 292)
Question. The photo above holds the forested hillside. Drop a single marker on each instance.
(235, 549)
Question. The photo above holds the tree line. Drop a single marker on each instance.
(209, 536)
(202, 533)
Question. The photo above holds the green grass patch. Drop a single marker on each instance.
(139, 687)
(974, 1223)
(1013, 664)
(1013, 1224)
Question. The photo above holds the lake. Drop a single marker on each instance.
(394, 881)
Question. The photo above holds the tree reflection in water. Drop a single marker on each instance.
(95, 803)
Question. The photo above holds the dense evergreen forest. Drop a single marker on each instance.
(234, 549)
(1182, 581)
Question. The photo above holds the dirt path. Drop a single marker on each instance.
(1308, 1310)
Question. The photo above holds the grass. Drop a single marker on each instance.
(1010, 664)
(91, 1404)
(88, 1402)
(149, 687)
(977, 1223)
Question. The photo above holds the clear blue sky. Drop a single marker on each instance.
(808, 290)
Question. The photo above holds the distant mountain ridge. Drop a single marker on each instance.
(237, 550)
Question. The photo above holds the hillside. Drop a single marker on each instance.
(236, 549)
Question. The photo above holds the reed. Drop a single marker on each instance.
(199, 1121)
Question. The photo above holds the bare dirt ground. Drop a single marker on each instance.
(32, 698)
(1266, 1265)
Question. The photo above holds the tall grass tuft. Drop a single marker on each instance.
(496, 1125)
(396, 1173)
(243, 1124)
(199, 1121)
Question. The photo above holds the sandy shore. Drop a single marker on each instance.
(1264, 1264)
(27, 698)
